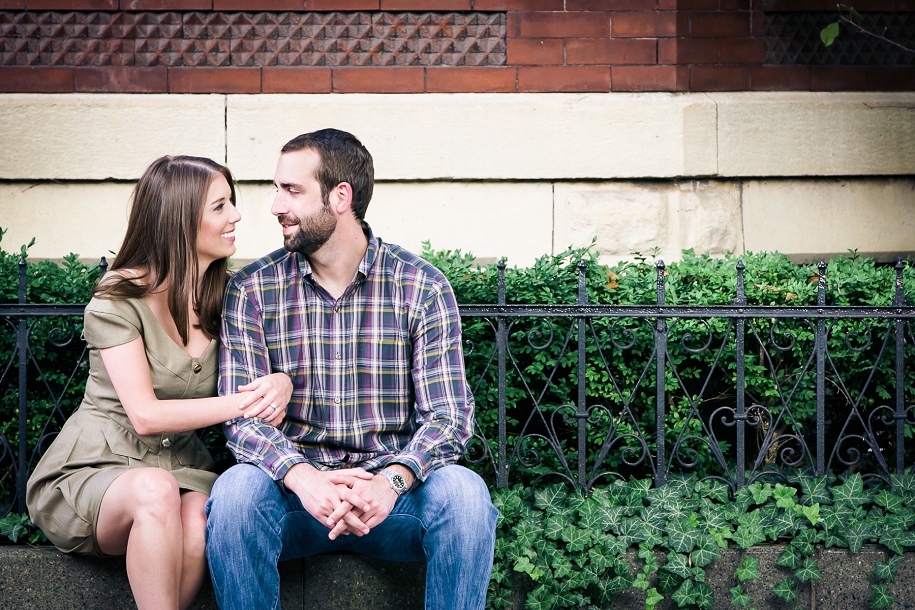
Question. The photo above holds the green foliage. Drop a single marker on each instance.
(15, 526)
(542, 372)
(569, 547)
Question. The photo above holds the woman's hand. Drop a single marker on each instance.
(268, 399)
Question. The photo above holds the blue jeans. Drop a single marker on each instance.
(252, 523)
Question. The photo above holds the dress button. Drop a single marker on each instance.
(197, 368)
(166, 442)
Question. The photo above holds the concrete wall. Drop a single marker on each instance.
(516, 175)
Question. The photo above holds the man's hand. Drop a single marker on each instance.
(330, 496)
(379, 495)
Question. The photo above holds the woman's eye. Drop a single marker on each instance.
(219, 207)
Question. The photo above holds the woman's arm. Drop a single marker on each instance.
(129, 372)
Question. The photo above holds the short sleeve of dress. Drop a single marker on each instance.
(110, 322)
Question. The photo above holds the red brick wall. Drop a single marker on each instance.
(549, 46)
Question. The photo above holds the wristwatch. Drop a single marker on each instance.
(398, 483)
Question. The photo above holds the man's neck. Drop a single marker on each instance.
(335, 264)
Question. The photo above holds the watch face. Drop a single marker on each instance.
(398, 481)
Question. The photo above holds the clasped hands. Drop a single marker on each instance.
(349, 501)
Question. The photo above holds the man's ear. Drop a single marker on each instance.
(341, 197)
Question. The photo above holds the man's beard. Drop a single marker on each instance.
(314, 231)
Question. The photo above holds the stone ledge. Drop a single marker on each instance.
(32, 578)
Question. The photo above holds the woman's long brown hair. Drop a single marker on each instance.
(166, 207)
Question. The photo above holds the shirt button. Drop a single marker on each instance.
(337, 355)
(197, 368)
(336, 401)
(166, 442)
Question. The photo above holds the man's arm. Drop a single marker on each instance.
(243, 358)
(444, 404)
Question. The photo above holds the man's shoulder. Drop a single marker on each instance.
(277, 263)
(407, 264)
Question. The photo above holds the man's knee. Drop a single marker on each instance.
(238, 490)
(462, 491)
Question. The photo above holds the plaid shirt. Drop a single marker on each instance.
(378, 374)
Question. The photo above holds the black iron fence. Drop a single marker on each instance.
(585, 393)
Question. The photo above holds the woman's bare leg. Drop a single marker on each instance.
(140, 516)
(194, 563)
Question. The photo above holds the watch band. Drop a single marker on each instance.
(396, 480)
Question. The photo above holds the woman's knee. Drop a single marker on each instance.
(155, 493)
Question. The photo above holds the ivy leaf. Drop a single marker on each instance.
(804, 541)
(600, 560)
(750, 531)
(855, 534)
(713, 519)
(652, 598)
(903, 485)
(790, 558)
(567, 599)
(590, 513)
(812, 512)
(551, 498)
(748, 570)
(717, 491)
(684, 595)
(612, 545)
(739, 597)
(880, 597)
(786, 589)
(808, 570)
(681, 536)
(540, 599)
(886, 572)
(677, 564)
(851, 492)
(662, 495)
(631, 531)
(524, 564)
(527, 532)
(784, 496)
(576, 538)
(815, 490)
(835, 517)
(668, 581)
(611, 517)
(706, 552)
(641, 582)
(703, 596)
(561, 565)
(831, 540)
(889, 501)
(552, 528)
(892, 539)
(782, 523)
(721, 537)
(761, 492)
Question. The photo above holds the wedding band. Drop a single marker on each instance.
(272, 406)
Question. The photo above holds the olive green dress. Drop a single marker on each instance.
(98, 443)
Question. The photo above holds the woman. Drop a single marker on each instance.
(127, 474)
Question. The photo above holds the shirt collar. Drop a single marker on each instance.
(365, 265)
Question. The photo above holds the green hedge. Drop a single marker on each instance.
(571, 546)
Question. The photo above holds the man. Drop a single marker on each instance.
(380, 408)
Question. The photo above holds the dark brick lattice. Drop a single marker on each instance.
(247, 39)
(794, 39)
